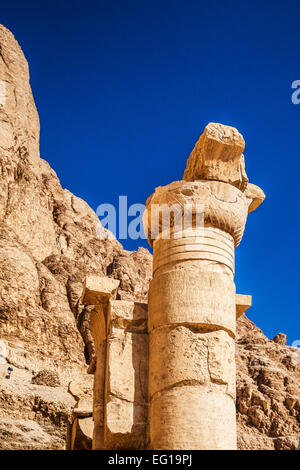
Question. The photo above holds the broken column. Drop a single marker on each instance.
(98, 291)
(81, 427)
(119, 329)
(192, 300)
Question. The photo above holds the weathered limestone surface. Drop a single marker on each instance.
(134, 270)
(175, 415)
(268, 384)
(243, 302)
(218, 155)
(127, 376)
(180, 356)
(268, 377)
(184, 304)
(99, 290)
(192, 299)
(81, 391)
(121, 371)
(33, 416)
(81, 434)
(80, 430)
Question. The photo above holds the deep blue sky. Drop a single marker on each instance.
(125, 88)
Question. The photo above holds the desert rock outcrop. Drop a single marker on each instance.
(268, 384)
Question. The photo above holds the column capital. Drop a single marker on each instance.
(99, 290)
(210, 204)
(214, 182)
(218, 155)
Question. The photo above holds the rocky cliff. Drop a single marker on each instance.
(49, 240)
(268, 401)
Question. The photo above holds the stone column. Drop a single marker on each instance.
(119, 330)
(192, 301)
(98, 291)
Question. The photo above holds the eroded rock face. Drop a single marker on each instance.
(268, 401)
(32, 416)
(134, 270)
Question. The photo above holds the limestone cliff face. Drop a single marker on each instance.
(268, 401)
(49, 240)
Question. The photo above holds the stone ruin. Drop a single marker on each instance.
(164, 373)
(49, 243)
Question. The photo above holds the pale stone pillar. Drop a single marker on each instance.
(98, 291)
(119, 329)
(192, 301)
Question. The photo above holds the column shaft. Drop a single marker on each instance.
(192, 327)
